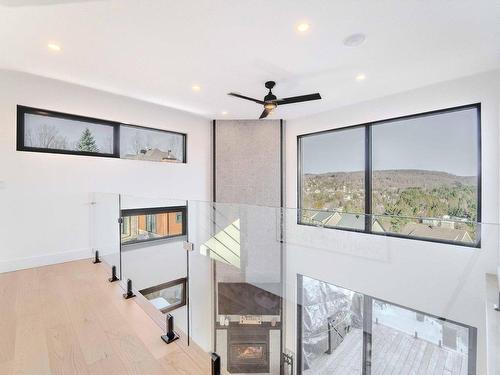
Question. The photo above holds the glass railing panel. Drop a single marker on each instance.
(330, 328)
(398, 332)
(105, 229)
(416, 291)
(240, 243)
(263, 288)
(153, 231)
(446, 229)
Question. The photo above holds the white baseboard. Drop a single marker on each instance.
(44, 260)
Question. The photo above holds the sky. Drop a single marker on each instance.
(444, 142)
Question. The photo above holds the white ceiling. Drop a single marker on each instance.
(156, 50)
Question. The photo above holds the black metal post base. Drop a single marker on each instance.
(215, 359)
(497, 308)
(96, 257)
(130, 293)
(170, 337)
(113, 277)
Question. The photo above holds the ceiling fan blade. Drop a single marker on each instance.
(246, 98)
(265, 113)
(23, 3)
(298, 99)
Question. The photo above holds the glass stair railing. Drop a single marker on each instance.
(287, 291)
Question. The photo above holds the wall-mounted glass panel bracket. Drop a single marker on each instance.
(188, 246)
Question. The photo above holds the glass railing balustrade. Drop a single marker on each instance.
(105, 229)
(273, 295)
(444, 229)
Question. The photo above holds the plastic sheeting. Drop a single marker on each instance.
(324, 303)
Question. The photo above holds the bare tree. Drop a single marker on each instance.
(109, 144)
(45, 136)
(137, 143)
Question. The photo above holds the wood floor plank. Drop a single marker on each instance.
(181, 363)
(31, 355)
(65, 355)
(6, 368)
(67, 319)
(8, 296)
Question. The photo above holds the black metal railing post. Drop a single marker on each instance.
(170, 336)
(113, 277)
(215, 359)
(96, 257)
(130, 292)
(330, 346)
(497, 308)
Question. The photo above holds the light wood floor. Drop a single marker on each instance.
(394, 353)
(67, 319)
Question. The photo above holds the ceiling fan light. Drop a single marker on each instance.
(269, 106)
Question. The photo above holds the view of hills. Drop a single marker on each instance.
(413, 193)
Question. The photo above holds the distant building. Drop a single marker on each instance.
(154, 154)
(437, 232)
(344, 220)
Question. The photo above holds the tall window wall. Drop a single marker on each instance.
(416, 176)
(341, 331)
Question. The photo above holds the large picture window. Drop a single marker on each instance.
(416, 176)
(55, 132)
(339, 329)
(151, 224)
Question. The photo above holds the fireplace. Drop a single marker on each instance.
(248, 350)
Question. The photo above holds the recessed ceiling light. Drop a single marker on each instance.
(54, 47)
(360, 77)
(195, 88)
(355, 40)
(303, 27)
(224, 113)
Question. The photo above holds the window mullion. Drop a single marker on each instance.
(368, 178)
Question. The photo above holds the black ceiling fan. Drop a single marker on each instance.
(270, 101)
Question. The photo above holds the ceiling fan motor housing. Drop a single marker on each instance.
(270, 96)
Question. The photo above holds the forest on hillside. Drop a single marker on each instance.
(411, 193)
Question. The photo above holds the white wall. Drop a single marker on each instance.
(445, 280)
(44, 198)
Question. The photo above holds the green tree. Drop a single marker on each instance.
(87, 142)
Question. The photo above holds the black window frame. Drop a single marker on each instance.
(369, 170)
(182, 281)
(153, 211)
(23, 110)
(184, 138)
(367, 327)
